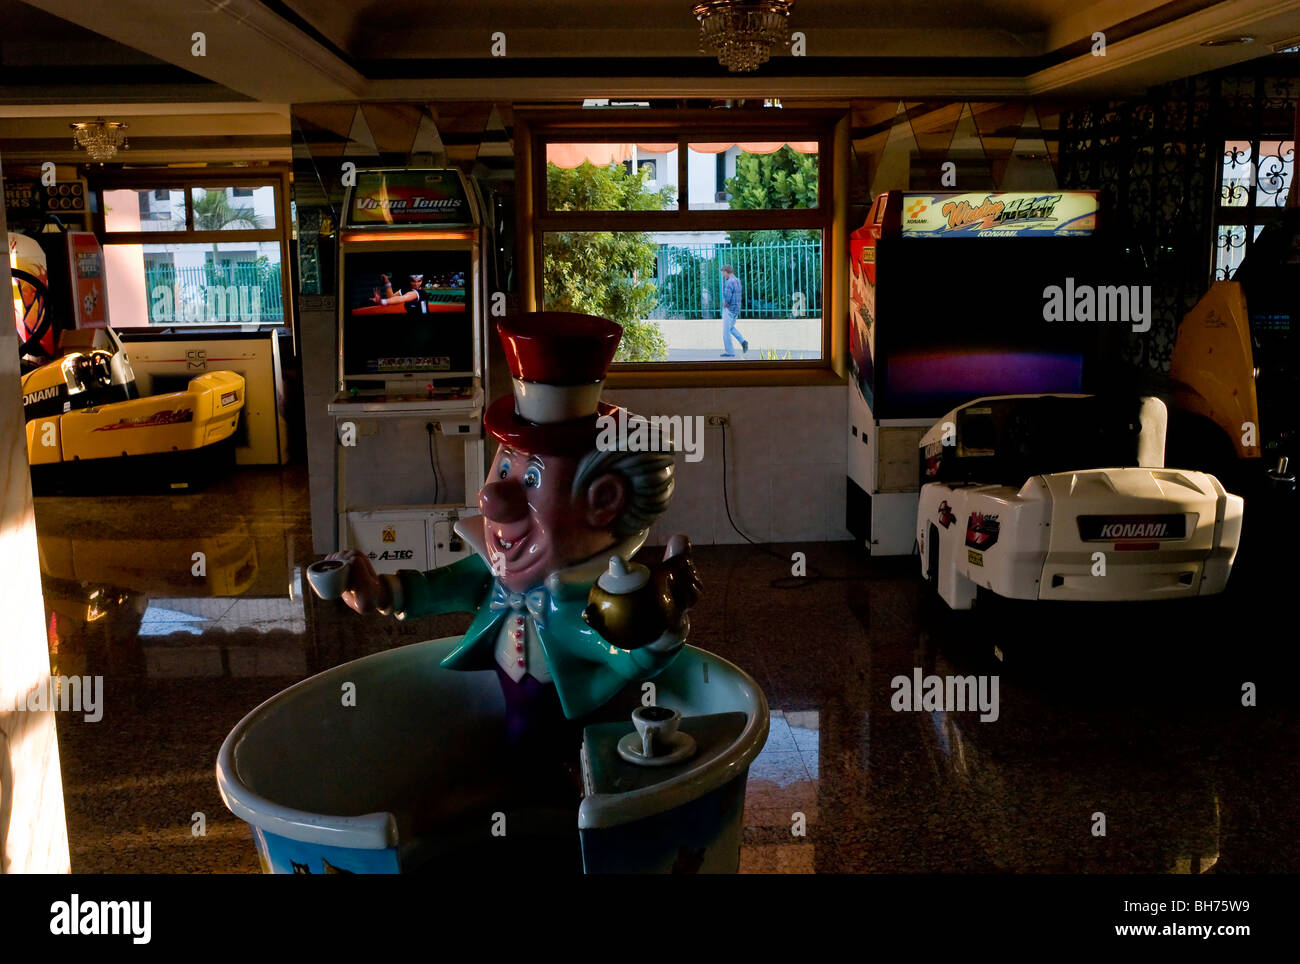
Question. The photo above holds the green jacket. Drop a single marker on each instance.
(587, 670)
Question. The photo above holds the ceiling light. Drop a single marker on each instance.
(100, 139)
(1228, 42)
(742, 33)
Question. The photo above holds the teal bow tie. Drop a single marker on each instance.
(535, 601)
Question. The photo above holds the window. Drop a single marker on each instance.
(650, 166)
(194, 252)
(706, 241)
(1254, 181)
(136, 210)
(598, 177)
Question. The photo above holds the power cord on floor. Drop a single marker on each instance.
(814, 574)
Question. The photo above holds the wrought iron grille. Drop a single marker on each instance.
(1189, 172)
(1254, 182)
(1150, 159)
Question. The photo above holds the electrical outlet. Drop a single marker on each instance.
(718, 420)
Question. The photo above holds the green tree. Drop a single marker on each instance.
(778, 181)
(782, 180)
(693, 274)
(214, 212)
(606, 273)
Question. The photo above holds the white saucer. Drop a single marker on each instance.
(629, 748)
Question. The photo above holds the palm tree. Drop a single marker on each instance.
(213, 212)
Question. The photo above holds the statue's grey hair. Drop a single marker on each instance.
(649, 476)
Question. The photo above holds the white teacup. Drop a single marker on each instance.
(329, 577)
(657, 726)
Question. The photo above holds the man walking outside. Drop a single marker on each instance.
(730, 312)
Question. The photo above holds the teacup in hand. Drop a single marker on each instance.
(329, 577)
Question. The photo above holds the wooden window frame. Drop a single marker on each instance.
(535, 129)
(274, 176)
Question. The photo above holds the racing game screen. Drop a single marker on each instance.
(980, 316)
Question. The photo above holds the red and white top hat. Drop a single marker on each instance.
(558, 361)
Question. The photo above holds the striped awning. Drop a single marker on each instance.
(602, 155)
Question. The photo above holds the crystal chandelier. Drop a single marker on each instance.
(742, 32)
(100, 139)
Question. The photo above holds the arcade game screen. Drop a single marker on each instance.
(407, 312)
(972, 321)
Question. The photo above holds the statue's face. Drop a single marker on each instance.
(533, 521)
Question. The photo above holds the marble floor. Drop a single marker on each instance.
(1134, 713)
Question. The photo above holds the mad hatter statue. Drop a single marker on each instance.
(555, 509)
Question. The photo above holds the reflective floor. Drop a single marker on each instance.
(1121, 742)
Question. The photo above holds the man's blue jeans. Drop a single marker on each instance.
(729, 331)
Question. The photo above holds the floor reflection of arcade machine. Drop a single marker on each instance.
(411, 324)
(1014, 794)
(947, 304)
(108, 597)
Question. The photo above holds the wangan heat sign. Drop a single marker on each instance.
(983, 215)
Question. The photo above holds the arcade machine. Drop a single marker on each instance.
(86, 422)
(959, 281)
(1233, 402)
(88, 427)
(58, 280)
(412, 314)
(1033, 489)
(34, 317)
(1234, 366)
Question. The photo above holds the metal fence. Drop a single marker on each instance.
(778, 280)
(204, 294)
